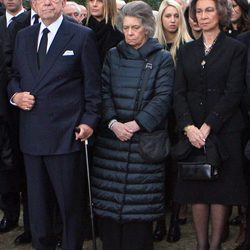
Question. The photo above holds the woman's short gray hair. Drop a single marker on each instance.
(142, 11)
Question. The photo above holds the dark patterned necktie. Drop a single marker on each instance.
(36, 17)
(42, 50)
(12, 23)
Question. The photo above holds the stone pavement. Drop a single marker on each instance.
(187, 241)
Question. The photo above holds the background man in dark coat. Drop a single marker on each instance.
(56, 86)
(23, 20)
(9, 179)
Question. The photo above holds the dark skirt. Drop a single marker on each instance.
(229, 189)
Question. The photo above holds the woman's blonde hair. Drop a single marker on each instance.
(109, 11)
(182, 35)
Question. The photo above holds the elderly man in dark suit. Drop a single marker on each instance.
(56, 86)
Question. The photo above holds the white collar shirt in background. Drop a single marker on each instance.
(9, 16)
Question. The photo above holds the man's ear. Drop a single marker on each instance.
(64, 3)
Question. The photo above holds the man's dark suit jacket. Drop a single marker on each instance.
(66, 88)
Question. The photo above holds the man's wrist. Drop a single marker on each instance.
(12, 100)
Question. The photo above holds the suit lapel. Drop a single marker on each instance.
(31, 49)
(62, 38)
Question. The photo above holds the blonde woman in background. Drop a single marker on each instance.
(171, 28)
(101, 18)
(171, 31)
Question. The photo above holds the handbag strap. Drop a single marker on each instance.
(205, 151)
(149, 64)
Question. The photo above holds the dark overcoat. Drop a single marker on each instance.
(125, 187)
(209, 89)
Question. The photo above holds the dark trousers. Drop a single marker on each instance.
(11, 206)
(126, 236)
(51, 178)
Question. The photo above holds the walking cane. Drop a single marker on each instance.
(77, 130)
(90, 197)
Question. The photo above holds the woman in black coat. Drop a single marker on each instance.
(101, 18)
(128, 192)
(208, 90)
(240, 19)
(171, 31)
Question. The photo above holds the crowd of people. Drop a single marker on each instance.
(114, 73)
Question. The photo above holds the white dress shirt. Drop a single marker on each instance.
(53, 28)
(32, 18)
(9, 16)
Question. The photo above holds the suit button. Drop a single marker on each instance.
(201, 103)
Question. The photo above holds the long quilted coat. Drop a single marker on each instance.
(126, 188)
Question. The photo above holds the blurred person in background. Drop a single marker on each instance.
(73, 10)
(10, 197)
(193, 28)
(240, 19)
(245, 244)
(101, 18)
(120, 4)
(171, 31)
(83, 12)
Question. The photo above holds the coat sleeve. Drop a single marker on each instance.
(153, 114)
(91, 75)
(181, 108)
(108, 107)
(230, 100)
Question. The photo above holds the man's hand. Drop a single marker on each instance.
(85, 132)
(121, 131)
(24, 100)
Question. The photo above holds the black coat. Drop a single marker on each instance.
(107, 36)
(3, 84)
(209, 89)
(125, 187)
(245, 38)
(210, 93)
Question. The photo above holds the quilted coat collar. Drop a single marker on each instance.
(150, 46)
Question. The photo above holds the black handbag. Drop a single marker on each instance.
(199, 169)
(154, 146)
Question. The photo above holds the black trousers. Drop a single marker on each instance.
(50, 179)
(11, 206)
(126, 236)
